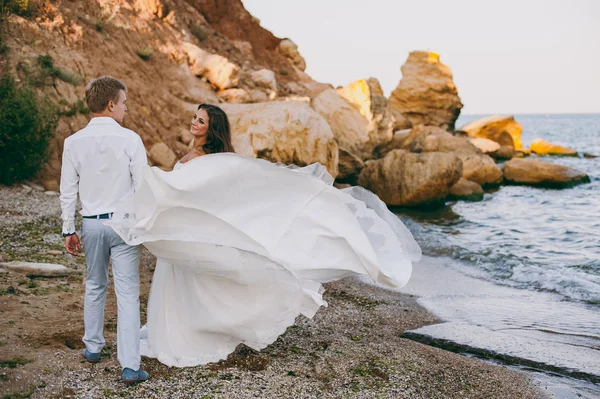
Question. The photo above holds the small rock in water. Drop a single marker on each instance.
(54, 252)
(3, 270)
(38, 269)
(26, 188)
(52, 193)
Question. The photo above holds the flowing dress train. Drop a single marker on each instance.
(243, 246)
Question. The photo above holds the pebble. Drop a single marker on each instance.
(36, 187)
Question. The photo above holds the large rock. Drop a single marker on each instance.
(504, 130)
(349, 167)
(38, 269)
(290, 50)
(466, 190)
(505, 152)
(426, 95)
(234, 96)
(541, 147)
(398, 140)
(265, 78)
(400, 121)
(477, 167)
(368, 97)
(50, 184)
(283, 131)
(162, 155)
(407, 179)
(217, 69)
(533, 172)
(485, 145)
(258, 96)
(349, 127)
(245, 47)
(481, 169)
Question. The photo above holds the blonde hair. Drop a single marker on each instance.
(100, 91)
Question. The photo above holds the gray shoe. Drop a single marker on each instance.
(91, 357)
(131, 376)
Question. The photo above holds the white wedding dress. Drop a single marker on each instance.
(243, 246)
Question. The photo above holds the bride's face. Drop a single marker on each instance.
(199, 126)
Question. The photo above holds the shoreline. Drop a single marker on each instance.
(488, 321)
(352, 348)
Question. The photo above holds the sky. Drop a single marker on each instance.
(508, 57)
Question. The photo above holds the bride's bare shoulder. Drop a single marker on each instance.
(191, 155)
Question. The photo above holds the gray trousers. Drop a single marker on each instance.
(101, 244)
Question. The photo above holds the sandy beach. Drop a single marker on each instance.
(352, 348)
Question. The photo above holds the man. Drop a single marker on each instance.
(102, 163)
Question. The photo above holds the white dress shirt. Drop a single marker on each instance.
(102, 163)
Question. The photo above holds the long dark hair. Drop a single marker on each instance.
(218, 138)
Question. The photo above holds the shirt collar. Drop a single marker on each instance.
(103, 120)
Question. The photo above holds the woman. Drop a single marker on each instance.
(243, 245)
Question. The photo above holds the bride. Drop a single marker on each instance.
(243, 245)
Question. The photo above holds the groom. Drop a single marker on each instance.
(102, 163)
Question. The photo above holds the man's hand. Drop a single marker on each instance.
(72, 244)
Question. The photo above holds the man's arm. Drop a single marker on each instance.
(138, 161)
(69, 188)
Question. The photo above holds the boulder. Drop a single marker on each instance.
(32, 269)
(504, 152)
(217, 69)
(426, 95)
(466, 190)
(283, 131)
(407, 179)
(234, 96)
(349, 127)
(481, 169)
(504, 130)
(289, 49)
(400, 121)
(265, 78)
(485, 145)
(349, 167)
(258, 96)
(245, 47)
(397, 141)
(368, 98)
(162, 156)
(541, 147)
(185, 136)
(51, 184)
(533, 172)
(477, 167)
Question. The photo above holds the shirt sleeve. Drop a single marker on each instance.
(69, 188)
(138, 162)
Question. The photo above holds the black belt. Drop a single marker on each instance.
(103, 216)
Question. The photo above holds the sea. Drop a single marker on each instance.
(516, 277)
